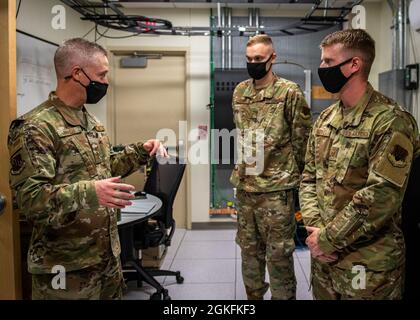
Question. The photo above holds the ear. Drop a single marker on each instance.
(76, 72)
(273, 60)
(356, 64)
(274, 57)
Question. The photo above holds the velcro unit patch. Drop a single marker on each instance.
(395, 161)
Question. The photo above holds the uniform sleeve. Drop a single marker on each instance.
(128, 160)
(234, 99)
(375, 205)
(300, 120)
(307, 192)
(33, 168)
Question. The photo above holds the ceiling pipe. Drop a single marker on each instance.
(250, 15)
(403, 33)
(257, 20)
(223, 39)
(229, 24)
(219, 21)
(399, 54)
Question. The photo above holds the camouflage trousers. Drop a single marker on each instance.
(103, 281)
(266, 226)
(332, 283)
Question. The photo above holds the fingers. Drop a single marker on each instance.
(114, 179)
(163, 152)
(310, 229)
(113, 206)
(156, 145)
(123, 195)
(315, 254)
(118, 203)
(120, 199)
(117, 206)
(122, 186)
(147, 146)
(153, 146)
(310, 241)
(113, 194)
(327, 258)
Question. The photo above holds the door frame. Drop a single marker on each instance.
(10, 264)
(111, 108)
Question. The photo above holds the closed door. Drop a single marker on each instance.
(146, 101)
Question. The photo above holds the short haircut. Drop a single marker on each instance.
(356, 40)
(76, 51)
(260, 38)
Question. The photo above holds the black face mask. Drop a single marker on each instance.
(258, 70)
(95, 91)
(332, 78)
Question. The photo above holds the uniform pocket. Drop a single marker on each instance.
(344, 158)
(349, 224)
(352, 152)
(322, 146)
(76, 155)
(100, 145)
(241, 113)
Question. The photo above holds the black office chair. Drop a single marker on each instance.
(163, 182)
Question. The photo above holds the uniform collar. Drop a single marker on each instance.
(354, 116)
(66, 111)
(264, 93)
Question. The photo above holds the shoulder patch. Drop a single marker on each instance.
(14, 130)
(394, 164)
(17, 164)
(305, 113)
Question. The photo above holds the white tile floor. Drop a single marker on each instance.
(210, 262)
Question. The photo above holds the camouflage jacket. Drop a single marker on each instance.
(357, 163)
(281, 112)
(55, 161)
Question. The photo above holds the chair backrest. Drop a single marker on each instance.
(163, 181)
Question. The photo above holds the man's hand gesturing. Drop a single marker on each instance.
(112, 193)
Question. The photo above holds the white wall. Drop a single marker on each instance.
(35, 18)
(378, 24)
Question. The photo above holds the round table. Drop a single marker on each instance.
(128, 219)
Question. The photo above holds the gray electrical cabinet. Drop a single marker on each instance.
(391, 84)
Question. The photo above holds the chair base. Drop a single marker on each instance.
(147, 275)
(158, 273)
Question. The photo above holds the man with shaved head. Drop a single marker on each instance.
(66, 181)
(277, 108)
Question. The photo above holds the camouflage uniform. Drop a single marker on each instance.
(357, 163)
(266, 221)
(55, 161)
